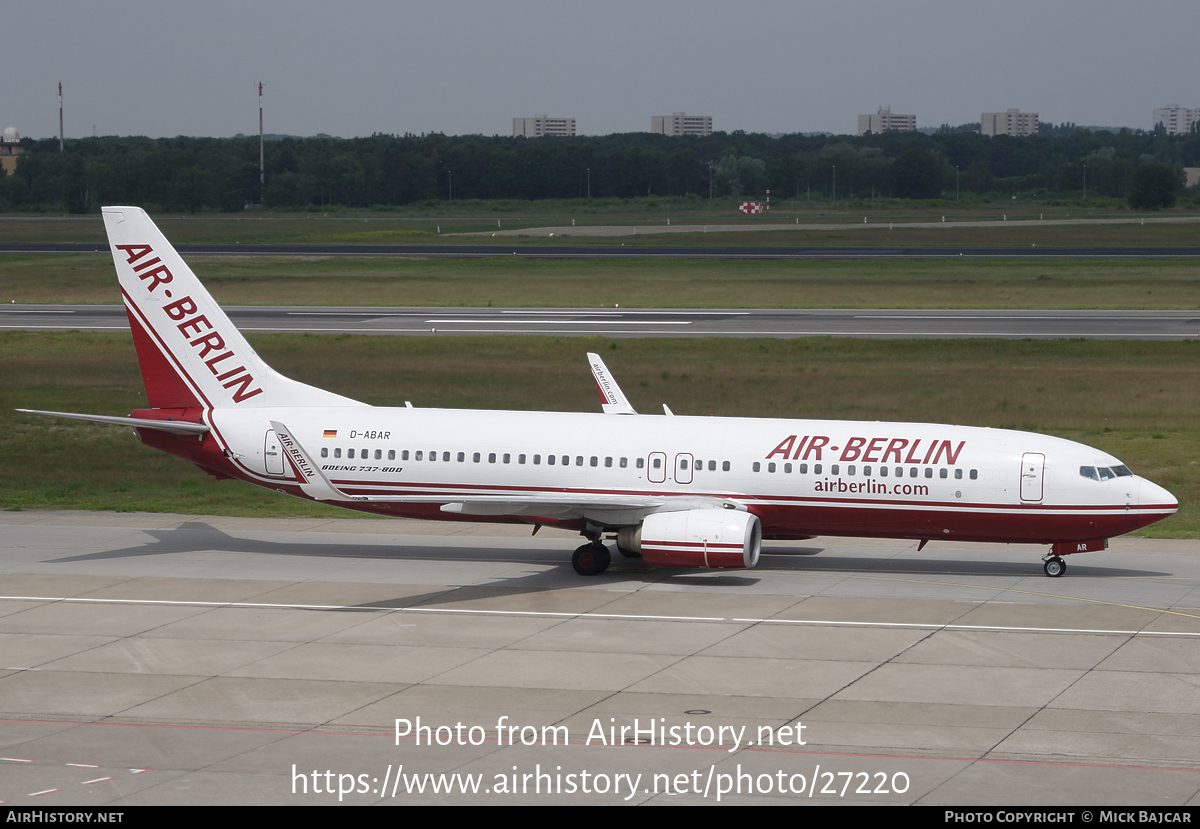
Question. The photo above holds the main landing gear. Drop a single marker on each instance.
(591, 559)
(1054, 566)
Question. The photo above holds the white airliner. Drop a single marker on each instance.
(676, 491)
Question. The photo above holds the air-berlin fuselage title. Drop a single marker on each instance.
(869, 450)
(190, 323)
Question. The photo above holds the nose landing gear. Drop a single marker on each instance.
(1053, 565)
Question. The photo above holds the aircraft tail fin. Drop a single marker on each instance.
(191, 355)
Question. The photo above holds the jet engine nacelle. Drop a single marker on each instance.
(715, 539)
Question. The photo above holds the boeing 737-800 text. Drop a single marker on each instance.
(677, 491)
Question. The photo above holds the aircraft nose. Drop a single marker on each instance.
(1152, 495)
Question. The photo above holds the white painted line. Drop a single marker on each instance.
(481, 321)
(84, 765)
(97, 780)
(47, 791)
(615, 313)
(16, 759)
(139, 771)
(587, 615)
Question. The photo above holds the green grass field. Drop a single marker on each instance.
(883, 283)
(1137, 400)
(432, 223)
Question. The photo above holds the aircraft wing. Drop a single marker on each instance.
(613, 507)
(612, 399)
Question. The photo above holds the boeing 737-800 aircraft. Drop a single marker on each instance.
(677, 491)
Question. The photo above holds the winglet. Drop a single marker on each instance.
(312, 480)
(612, 398)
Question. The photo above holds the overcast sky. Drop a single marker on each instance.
(356, 68)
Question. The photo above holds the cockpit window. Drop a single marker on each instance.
(1122, 471)
(1105, 473)
(1089, 472)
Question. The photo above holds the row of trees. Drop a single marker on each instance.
(190, 174)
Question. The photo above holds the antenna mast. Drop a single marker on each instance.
(60, 120)
(262, 176)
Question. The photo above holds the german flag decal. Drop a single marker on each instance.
(331, 433)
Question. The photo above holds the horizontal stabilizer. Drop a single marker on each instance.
(177, 427)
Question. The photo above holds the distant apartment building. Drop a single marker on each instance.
(1176, 120)
(540, 125)
(10, 148)
(680, 124)
(1010, 122)
(886, 121)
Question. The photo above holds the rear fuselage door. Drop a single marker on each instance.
(683, 468)
(1033, 465)
(272, 454)
(656, 471)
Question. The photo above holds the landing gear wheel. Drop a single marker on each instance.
(591, 559)
(1054, 567)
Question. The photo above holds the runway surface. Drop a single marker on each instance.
(649, 323)
(611, 322)
(175, 659)
(599, 251)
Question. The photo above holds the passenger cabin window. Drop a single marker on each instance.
(537, 460)
(624, 462)
(445, 456)
(974, 474)
(608, 462)
(833, 469)
(337, 453)
(594, 461)
(462, 456)
(491, 457)
(942, 473)
(507, 458)
(324, 451)
(757, 466)
(550, 459)
(520, 459)
(803, 469)
(475, 457)
(404, 455)
(712, 466)
(725, 466)
(641, 462)
(391, 454)
(771, 466)
(566, 460)
(350, 453)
